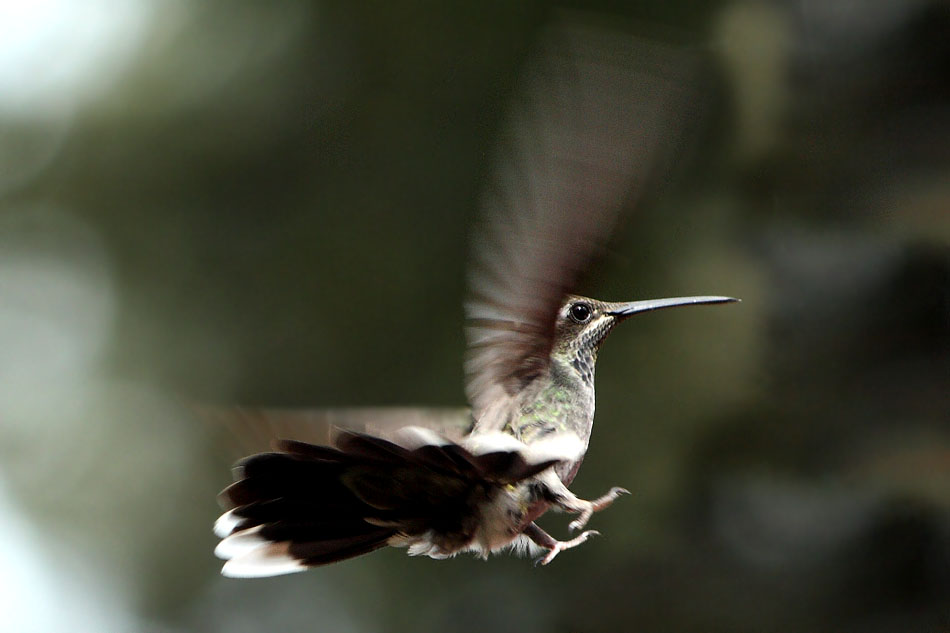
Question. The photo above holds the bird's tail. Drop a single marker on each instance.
(307, 505)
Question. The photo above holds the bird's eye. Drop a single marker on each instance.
(580, 312)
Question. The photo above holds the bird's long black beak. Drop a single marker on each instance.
(623, 310)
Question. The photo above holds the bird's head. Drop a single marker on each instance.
(583, 324)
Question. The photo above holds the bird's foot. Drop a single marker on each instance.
(554, 547)
(590, 507)
(557, 547)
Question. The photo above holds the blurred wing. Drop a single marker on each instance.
(247, 431)
(597, 116)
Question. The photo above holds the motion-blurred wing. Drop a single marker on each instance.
(599, 113)
(250, 431)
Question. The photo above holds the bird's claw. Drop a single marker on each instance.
(560, 546)
(596, 506)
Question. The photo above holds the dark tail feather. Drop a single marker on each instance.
(312, 505)
(288, 512)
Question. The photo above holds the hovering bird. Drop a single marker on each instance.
(599, 113)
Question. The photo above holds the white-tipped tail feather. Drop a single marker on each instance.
(240, 543)
(226, 524)
(269, 559)
(248, 555)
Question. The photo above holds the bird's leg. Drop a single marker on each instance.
(554, 546)
(558, 494)
(596, 505)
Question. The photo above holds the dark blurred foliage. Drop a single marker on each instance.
(269, 203)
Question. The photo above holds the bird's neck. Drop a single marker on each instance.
(561, 401)
(581, 361)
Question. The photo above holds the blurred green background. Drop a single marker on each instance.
(269, 203)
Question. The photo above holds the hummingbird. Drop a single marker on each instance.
(596, 116)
